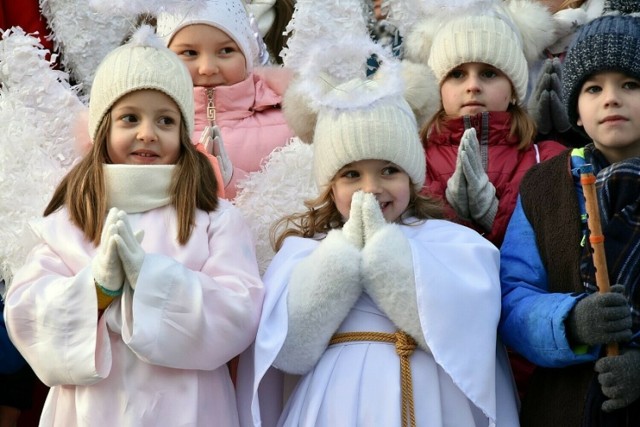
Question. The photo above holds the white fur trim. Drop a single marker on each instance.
(322, 290)
(280, 188)
(37, 142)
(536, 25)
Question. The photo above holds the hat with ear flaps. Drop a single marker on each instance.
(505, 34)
(608, 43)
(346, 115)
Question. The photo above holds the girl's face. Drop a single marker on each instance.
(473, 88)
(145, 129)
(212, 57)
(609, 111)
(388, 182)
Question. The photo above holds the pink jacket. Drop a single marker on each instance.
(250, 119)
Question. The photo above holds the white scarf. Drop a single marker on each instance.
(137, 188)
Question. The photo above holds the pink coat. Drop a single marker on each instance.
(250, 119)
(157, 356)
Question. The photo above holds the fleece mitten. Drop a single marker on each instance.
(322, 290)
(600, 318)
(387, 270)
(619, 377)
(211, 139)
(129, 249)
(483, 203)
(106, 266)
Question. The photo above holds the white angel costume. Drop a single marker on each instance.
(460, 371)
(157, 356)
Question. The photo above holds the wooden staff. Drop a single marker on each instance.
(596, 238)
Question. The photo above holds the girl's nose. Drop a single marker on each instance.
(208, 66)
(371, 184)
(147, 132)
(473, 83)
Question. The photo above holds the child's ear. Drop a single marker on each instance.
(579, 121)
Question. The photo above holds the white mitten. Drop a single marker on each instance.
(106, 267)
(353, 229)
(456, 192)
(211, 138)
(129, 249)
(322, 290)
(483, 203)
(387, 270)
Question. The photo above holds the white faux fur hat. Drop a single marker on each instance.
(505, 34)
(229, 16)
(142, 63)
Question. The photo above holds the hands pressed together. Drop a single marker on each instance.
(469, 191)
(545, 104)
(119, 256)
(211, 138)
(603, 318)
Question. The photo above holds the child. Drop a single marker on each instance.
(367, 272)
(479, 144)
(130, 329)
(551, 310)
(234, 104)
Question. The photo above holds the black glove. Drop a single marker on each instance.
(545, 103)
(619, 377)
(600, 318)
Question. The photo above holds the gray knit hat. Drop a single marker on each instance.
(143, 63)
(609, 43)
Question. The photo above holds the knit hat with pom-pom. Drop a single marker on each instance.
(143, 63)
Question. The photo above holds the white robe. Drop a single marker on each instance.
(463, 380)
(157, 356)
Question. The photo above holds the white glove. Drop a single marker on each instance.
(211, 138)
(456, 192)
(483, 203)
(387, 270)
(129, 249)
(106, 266)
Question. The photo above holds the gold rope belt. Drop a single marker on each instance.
(404, 348)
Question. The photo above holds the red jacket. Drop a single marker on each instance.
(506, 164)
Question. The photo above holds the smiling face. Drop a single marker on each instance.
(144, 130)
(212, 57)
(609, 110)
(385, 180)
(475, 87)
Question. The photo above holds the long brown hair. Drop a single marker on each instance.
(275, 38)
(83, 190)
(522, 125)
(322, 215)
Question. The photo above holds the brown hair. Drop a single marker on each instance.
(322, 216)
(522, 125)
(83, 190)
(275, 39)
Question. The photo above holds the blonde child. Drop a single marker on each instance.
(552, 312)
(131, 319)
(368, 279)
(480, 143)
(237, 108)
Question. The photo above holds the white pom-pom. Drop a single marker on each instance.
(536, 25)
(146, 36)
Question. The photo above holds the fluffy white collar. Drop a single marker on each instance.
(135, 188)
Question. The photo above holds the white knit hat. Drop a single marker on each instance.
(143, 63)
(487, 39)
(385, 130)
(229, 16)
(503, 33)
